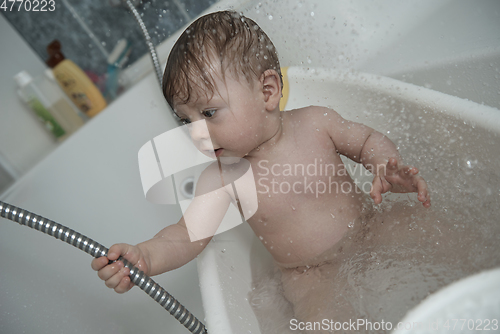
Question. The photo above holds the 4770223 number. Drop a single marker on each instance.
(28, 5)
(471, 324)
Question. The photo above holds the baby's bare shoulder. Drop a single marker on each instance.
(312, 112)
(322, 116)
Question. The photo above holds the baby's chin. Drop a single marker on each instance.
(224, 160)
(229, 160)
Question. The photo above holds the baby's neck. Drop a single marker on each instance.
(274, 134)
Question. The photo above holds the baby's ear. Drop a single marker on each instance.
(271, 89)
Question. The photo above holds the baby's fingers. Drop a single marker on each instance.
(392, 163)
(115, 276)
(377, 190)
(120, 282)
(99, 263)
(408, 171)
(110, 271)
(423, 193)
(124, 285)
(118, 250)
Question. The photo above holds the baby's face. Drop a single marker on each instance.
(235, 117)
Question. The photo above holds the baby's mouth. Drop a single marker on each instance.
(218, 152)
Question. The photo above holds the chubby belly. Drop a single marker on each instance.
(296, 224)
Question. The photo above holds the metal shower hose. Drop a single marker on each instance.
(89, 246)
(147, 38)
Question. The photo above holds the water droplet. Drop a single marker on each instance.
(471, 163)
(293, 208)
(270, 17)
(351, 224)
(332, 215)
(223, 250)
(261, 237)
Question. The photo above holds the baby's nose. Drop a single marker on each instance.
(199, 131)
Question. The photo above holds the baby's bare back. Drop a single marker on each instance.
(306, 199)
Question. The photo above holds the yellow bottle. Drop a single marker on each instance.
(75, 83)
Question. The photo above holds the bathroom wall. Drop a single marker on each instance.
(23, 139)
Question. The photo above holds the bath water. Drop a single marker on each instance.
(417, 254)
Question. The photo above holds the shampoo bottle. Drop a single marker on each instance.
(75, 83)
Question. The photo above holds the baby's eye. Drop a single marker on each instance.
(185, 121)
(208, 113)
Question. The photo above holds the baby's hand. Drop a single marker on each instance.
(116, 275)
(399, 179)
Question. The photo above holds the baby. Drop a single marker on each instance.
(225, 70)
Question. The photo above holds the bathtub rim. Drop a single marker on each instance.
(478, 114)
(451, 297)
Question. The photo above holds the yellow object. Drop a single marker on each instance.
(286, 89)
(75, 83)
(80, 89)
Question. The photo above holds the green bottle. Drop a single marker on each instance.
(32, 95)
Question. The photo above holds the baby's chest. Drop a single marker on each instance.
(298, 170)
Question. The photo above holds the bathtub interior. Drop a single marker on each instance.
(453, 141)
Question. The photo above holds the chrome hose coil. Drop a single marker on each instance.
(147, 38)
(89, 246)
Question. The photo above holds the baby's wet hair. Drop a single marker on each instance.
(228, 37)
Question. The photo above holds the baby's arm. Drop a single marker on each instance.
(175, 245)
(171, 248)
(378, 154)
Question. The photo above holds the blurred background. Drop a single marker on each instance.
(88, 32)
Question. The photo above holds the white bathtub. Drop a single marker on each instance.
(416, 119)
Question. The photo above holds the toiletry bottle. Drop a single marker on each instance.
(64, 111)
(31, 94)
(75, 83)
